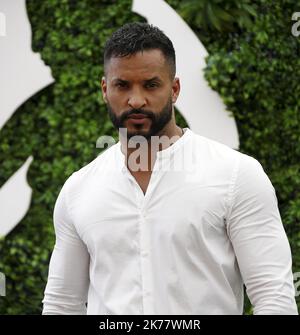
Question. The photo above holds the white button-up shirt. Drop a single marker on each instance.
(202, 229)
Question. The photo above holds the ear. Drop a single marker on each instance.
(175, 89)
(104, 88)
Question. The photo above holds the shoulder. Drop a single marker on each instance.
(97, 167)
(219, 162)
(211, 149)
(220, 151)
(221, 158)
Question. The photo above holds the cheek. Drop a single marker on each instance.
(160, 98)
(116, 99)
(168, 100)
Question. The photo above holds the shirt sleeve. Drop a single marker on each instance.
(259, 240)
(68, 277)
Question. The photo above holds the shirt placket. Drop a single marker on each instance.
(145, 243)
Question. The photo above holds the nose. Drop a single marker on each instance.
(136, 100)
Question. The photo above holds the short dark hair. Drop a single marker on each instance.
(134, 37)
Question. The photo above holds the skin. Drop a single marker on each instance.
(141, 81)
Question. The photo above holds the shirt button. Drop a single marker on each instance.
(144, 253)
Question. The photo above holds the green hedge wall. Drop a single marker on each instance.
(253, 65)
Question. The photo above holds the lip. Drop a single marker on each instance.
(138, 120)
(137, 116)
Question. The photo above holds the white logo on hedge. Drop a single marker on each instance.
(18, 64)
(296, 26)
(2, 284)
(2, 24)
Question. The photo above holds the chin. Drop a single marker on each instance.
(145, 133)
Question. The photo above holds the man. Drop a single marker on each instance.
(165, 221)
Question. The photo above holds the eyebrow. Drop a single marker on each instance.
(153, 79)
(119, 80)
(146, 81)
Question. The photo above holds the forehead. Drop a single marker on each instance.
(141, 65)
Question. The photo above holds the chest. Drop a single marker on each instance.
(170, 202)
(119, 220)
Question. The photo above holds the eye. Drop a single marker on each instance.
(152, 85)
(121, 84)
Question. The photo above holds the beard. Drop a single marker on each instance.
(158, 120)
